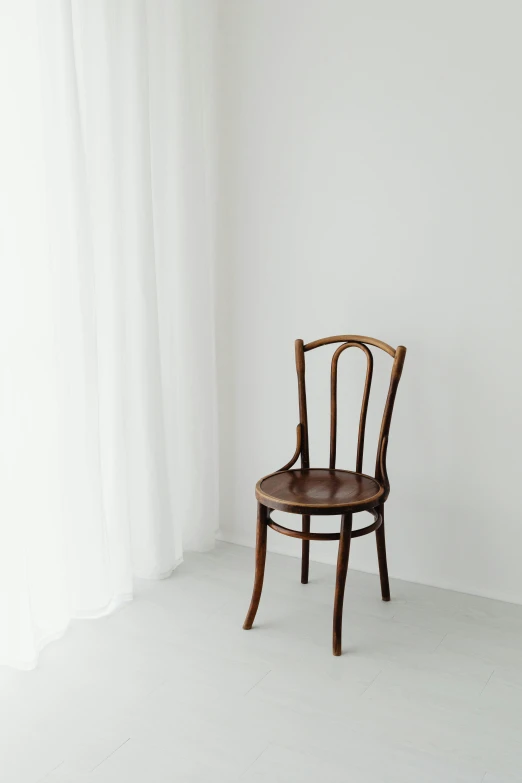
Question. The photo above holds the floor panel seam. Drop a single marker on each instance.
(370, 684)
(254, 761)
(110, 754)
(257, 683)
(487, 683)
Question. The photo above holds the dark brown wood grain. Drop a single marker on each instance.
(303, 414)
(349, 338)
(364, 405)
(297, 451)
(380, 468)
(340, 581)
(381, 555)
(319, 491)
(262, 516)
(306, 535)
(305, 550)
(329, 491)
(302, 534)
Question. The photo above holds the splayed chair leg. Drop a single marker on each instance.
(305, 556)
(262, 517)
(381, 554)
(342, 568)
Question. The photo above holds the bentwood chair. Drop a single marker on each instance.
(326, 491)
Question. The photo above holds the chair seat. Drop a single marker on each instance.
(319, 491)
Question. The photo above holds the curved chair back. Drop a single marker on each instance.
(351, 341)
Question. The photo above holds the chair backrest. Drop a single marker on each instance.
(350, 341)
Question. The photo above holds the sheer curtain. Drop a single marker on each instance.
(108, 454)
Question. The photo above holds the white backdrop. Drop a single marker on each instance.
(108, 463)
(371, 183)
(368, 180)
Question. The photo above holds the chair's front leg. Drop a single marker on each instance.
(262, 527)
(305, 552)
(381, 555)
(342, 568)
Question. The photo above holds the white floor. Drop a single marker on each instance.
(171, 689)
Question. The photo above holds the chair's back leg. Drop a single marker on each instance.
(381, 555)
(305, 556)
(262, 528)
(342, 568)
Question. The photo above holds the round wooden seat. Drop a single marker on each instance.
(319, 491)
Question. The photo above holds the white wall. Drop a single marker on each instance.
(370, 169)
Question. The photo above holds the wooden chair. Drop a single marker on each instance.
(326, 491)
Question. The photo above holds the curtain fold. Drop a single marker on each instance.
(107, 388)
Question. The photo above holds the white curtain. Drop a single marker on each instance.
(108, 454)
